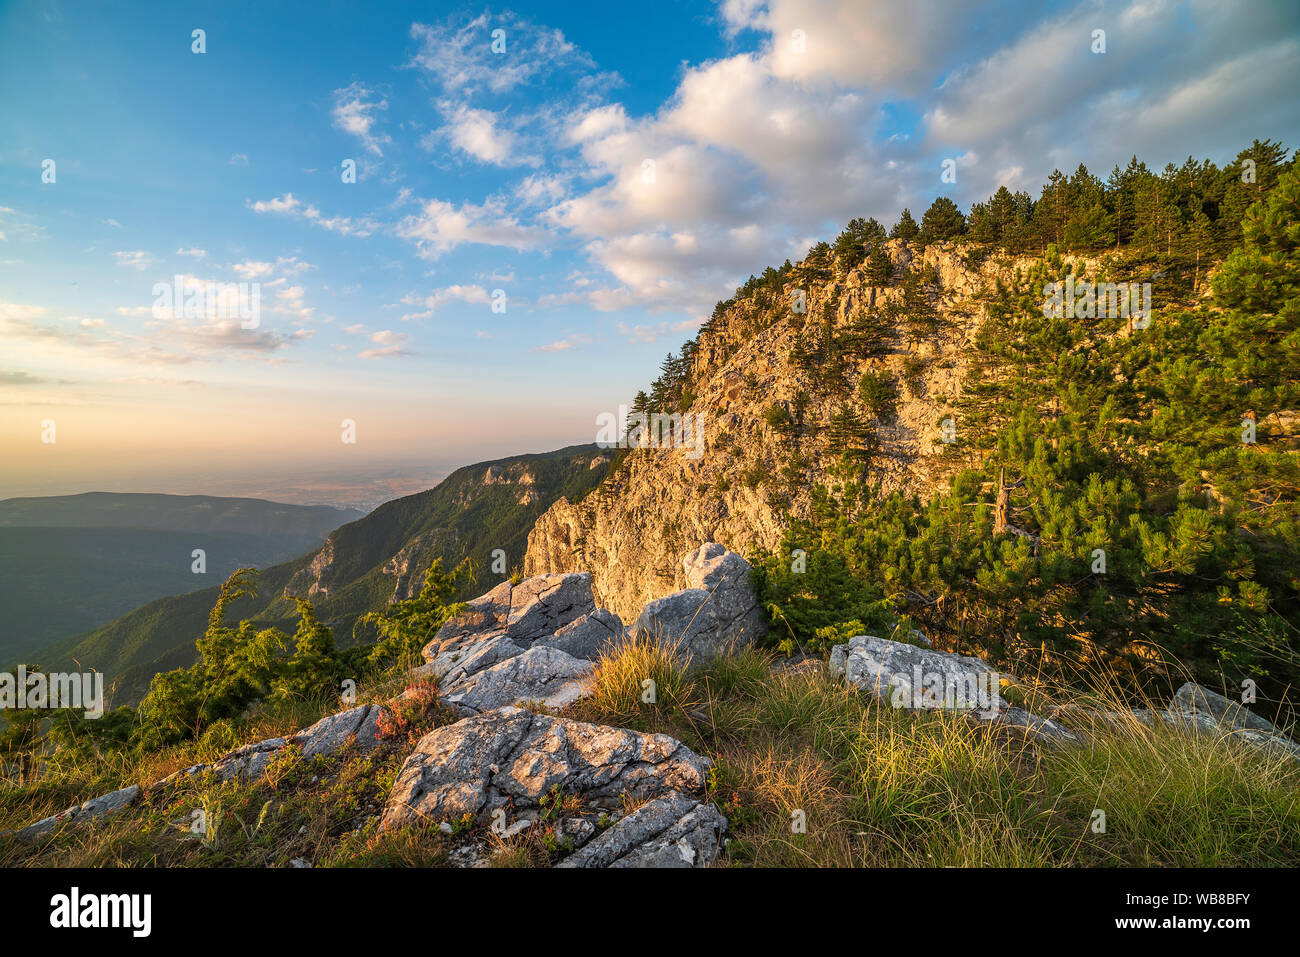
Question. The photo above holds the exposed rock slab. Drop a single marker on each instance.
(1192, 698)
(719, 611)
(672, 831)
(910, 676)
(97, 807)
(543, 675)
(517, 757)
(531, 642)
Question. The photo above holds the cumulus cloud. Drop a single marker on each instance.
(441, 297)
(481, 135)
(442, 226)
(355, 109)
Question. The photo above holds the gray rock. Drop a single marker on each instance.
(1192, 698)
(588, 636)
(576, 830)
(910, 676)
(717, 613)
(358, 726)
(672, 831)
(248, 762)
(540, 674)
(517, 757)
(543, 605)
(97, 807)
(528, 642)
(1044, 729)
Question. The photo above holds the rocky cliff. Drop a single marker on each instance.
(631, 531)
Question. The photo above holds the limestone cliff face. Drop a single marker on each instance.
(632, 531)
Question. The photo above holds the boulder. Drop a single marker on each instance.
(1043, 729)
(718, 612)
(359, 725)
(543, 605)
(541, 674)
(97, 807)
(672, 831)
(1191, 698)
(515, 757)
(534, 610)
(910, 676)
(588, 636)
(534, 641)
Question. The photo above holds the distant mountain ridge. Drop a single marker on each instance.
(362, 565)
(73, 562)
(198, 513)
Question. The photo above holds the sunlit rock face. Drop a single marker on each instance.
(631, 532)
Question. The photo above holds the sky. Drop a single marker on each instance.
(546, 199)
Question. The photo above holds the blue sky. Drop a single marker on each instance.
(769, 124)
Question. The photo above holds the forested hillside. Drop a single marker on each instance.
(361, 567)
(1088, 485)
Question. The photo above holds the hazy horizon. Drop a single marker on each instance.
(543, 203)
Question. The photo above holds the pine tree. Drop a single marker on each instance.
(906, 228)
(943, 220)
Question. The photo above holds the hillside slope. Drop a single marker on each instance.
(760, 466)
(362, 565)
(69, 563)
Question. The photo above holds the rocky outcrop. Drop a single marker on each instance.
(99, 807)
(716, 613)
(673, 831)
(909, 676)
(531, 642)
(1191, 698)
(914, 676)
(514, 759)
(356, 727)
(631, 531)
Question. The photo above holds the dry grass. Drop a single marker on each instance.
(808, 772)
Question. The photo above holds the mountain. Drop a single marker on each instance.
(185, 513)
(360, 567)
(767, 410)
(72, 562)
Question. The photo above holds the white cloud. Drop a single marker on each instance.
(461, 58)
(441, 297)
(137, 259)
(288, 204)
(354, 112)
(479, 134)
(441, 226)
(391, 345)
(562, 345)
(196, 253)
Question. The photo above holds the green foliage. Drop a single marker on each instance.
(943, 220)
(805, 599)
(878, 393)
(1136, 515)
(407, 626)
